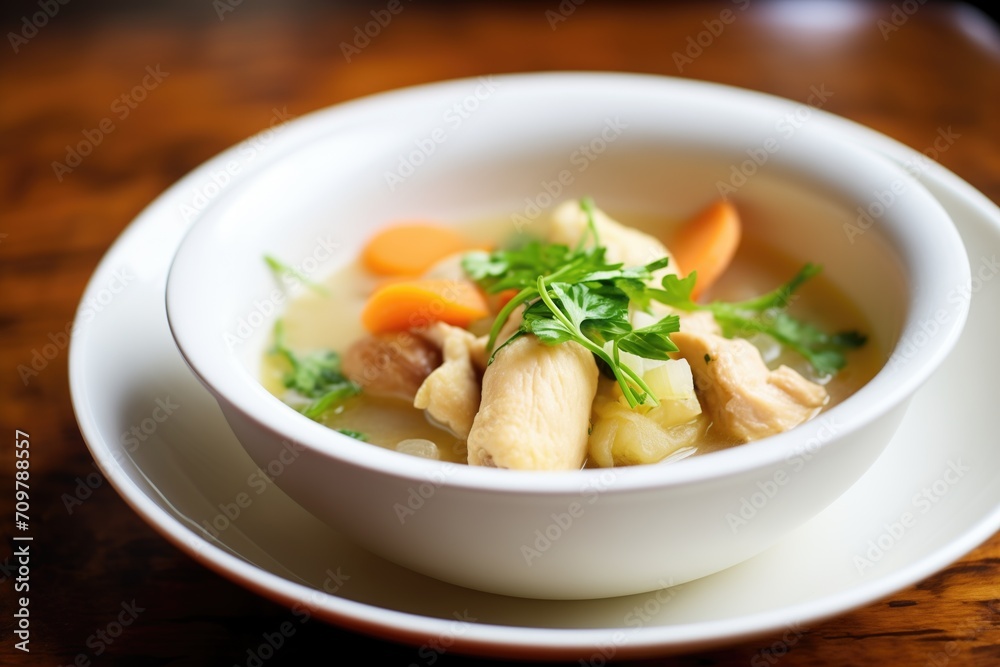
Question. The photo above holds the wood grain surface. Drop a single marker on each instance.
(214, 73)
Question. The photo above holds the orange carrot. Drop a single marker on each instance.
(706, 244)
(409, 249)
(412, 304)
(504, 297)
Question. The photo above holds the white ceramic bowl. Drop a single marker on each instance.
(484, 148)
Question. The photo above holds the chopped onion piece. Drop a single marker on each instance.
(419, 447)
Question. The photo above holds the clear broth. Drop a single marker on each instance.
(314, 321)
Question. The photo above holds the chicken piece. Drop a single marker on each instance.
(746, 400)
(392, 365)
(624, 244)
(448, 394)
(535, 410)
(699, 322)
(631, 247)
(451, 393)
(440, 333)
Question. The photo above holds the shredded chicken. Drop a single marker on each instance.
(439, 333)
(633, 248)
(535, 409)
(746, 400)
(624, 244)
(450, 394)
(699, 322)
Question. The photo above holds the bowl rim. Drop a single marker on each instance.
(268, 413)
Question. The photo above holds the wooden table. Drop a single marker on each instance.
(212, 73)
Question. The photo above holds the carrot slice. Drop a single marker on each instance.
(504, 297)
(412, 304)
(409, 249)
(707, 243)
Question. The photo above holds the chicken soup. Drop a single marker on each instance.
(592, 344)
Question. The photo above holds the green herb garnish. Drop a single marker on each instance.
(576, 295)
(767, 314)
(316, 376)
(357, 435)
(281, 269)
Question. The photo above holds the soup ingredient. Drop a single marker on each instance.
(707, 243)
(766, 314)
(282, 270)
(410, 249)
(746, 400)
(673, 384)
(450, 394)
(419, 447)
(593, 298)
(623, 436)
(579, 224)
(535, 409)
(416, 303)
(393, 365)
(578, 296)
(316, 378)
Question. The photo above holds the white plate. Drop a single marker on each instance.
(930, 498)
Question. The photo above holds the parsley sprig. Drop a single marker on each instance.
(577, 295)
(316, 376)
(767, 314)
